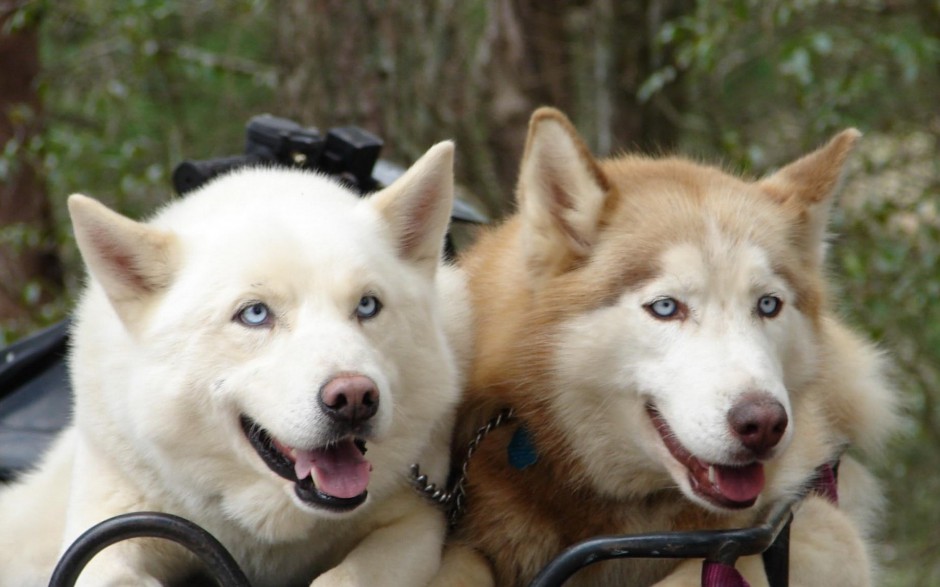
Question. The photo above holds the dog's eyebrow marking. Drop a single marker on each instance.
(631, 278)
(808, 296)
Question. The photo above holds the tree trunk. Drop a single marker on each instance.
(529, 66)
(30, 274)
(652, 126)
(420, 72)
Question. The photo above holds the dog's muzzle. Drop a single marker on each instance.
(332, 477)
(729, 486)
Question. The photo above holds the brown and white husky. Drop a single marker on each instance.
(664, 332)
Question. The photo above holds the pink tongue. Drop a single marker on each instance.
(740, 483)
(340, 471)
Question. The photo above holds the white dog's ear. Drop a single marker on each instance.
(811, 184)
(561, 195)
(132, 261)
(417, 206)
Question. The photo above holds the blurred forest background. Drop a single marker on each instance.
(107, 96)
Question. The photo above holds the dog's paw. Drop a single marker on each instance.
(462, 566)
(337, 577)
(117, 580)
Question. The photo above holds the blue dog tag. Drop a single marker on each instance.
(521, 451)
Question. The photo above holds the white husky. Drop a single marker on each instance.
(266, 357)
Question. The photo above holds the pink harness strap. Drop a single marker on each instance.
(721, 575)
(715, 574)
(827, 482)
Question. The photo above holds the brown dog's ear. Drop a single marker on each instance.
(561, 195)
(810, 184)
(132, 261)
(417, 206)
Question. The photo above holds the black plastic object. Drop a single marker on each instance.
(218, 562)
(351, 152)
(771, 538)
(347, 152)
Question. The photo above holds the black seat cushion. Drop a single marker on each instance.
(35, 398)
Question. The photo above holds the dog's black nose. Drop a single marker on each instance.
(350, 399)
(758, 420)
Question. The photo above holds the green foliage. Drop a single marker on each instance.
(128, 90)
(133, 88)
(886, 256)
(788, 73)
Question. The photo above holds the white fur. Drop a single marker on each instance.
(161, 372)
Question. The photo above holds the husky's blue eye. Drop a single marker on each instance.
(368, 307)
(664, 308)
(257, 314)
(769, 306)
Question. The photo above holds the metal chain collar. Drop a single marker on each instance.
(454, 501)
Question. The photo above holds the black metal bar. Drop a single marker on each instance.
(724, 546)
(218, 561)
(771, 538)
(777, 559)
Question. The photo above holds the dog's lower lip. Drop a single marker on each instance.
(308, 493)
(264, 445)
(275, 458)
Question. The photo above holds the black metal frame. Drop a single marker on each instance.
(771, 538)
(218, 561)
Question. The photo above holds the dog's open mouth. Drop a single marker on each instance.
(727, 486)
(332, 477)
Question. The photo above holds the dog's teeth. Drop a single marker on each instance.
(711, 474)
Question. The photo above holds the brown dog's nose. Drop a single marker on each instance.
(758, 420)
(350, 399)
